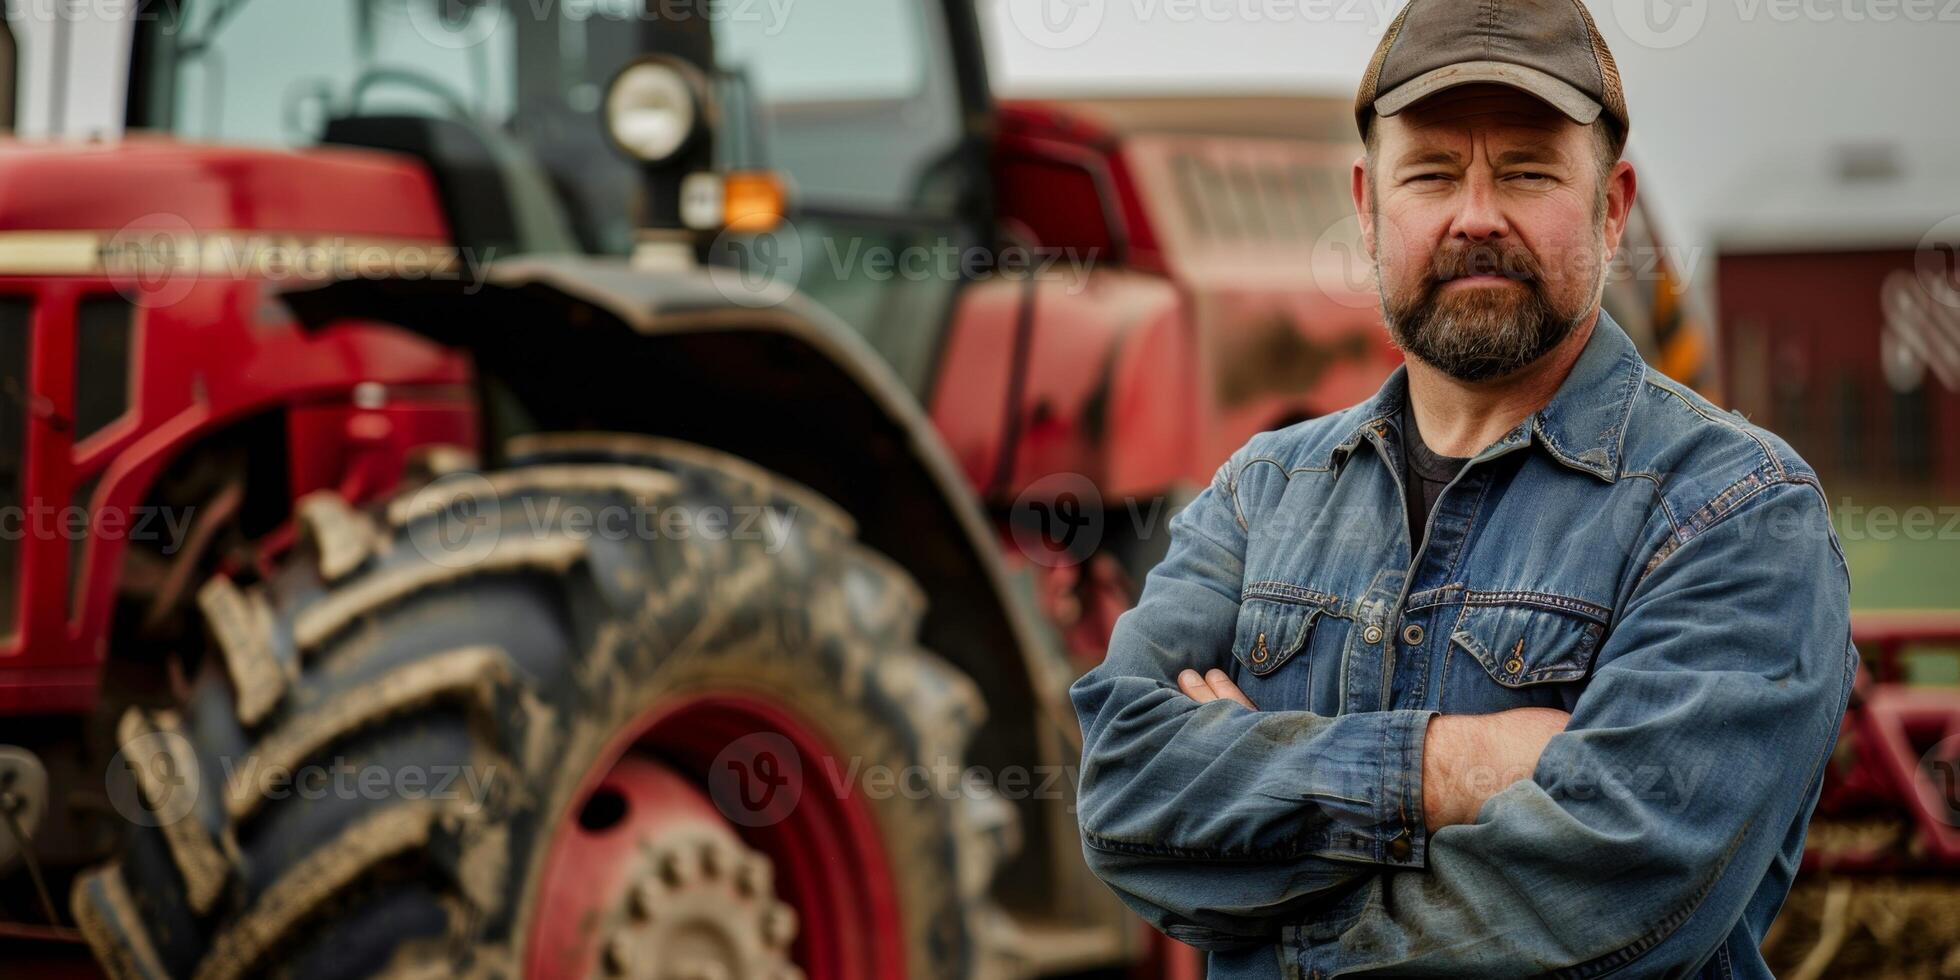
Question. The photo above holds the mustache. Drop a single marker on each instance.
(1513, 262)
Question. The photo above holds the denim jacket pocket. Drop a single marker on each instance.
(1521, 644)
(1276, 621)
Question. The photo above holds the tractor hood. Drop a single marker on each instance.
(73, 208)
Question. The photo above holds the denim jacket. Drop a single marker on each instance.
(1660, 568)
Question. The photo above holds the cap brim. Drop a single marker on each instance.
(1576, 105)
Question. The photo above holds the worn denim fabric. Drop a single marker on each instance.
(1662, 569)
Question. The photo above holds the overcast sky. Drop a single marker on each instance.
(1743, 110)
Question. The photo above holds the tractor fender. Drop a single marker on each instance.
(579, 343)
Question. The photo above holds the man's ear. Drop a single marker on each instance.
(1620, 186)
(1363, 208)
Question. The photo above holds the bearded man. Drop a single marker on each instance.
(1528, 664)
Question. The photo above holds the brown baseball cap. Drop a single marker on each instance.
(1548, 48)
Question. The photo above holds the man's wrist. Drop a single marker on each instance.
(1467, 759)
(1450, 741)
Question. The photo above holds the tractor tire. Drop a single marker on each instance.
(483, 633)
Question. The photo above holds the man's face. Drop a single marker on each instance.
(1490, 223)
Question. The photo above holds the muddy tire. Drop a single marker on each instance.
(483, 633)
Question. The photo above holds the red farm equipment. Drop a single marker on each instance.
(583, 489)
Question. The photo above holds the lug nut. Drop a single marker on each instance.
(779, 925)
(673, 868)
(642, 900)
(753, 878)
(618, 956)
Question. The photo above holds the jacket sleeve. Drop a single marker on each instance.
(1691, 760)
(1215, 823)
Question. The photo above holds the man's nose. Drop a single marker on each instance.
(1478, 216)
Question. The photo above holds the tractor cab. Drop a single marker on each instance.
(581, 128)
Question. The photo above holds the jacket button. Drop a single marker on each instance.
(1372, 635)
(1514, 665)
(1412, 634)
(1259, 653)
(1399, 847)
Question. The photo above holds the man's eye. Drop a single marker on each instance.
(1531, 175)
(1419, 178)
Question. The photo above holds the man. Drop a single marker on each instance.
(1529, 664)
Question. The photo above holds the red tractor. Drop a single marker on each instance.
(611, 489)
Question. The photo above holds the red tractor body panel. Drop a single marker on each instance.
(109, 224)
(1184, 338)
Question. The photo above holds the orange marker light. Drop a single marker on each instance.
(752, 200)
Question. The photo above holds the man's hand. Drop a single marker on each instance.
(1467, 759)
(1210, 686)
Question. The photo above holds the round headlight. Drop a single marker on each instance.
(652, 109)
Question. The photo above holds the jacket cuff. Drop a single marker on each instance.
(1386, 767)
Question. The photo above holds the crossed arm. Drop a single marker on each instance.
(1221, 825)
(1466, 759)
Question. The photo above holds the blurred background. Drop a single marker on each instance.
(333, 335)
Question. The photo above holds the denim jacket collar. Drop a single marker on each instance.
(1582, 426)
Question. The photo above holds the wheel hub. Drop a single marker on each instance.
(653, 885)
(701, 906)
(646, 877)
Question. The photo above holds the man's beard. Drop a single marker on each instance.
(1481, 332)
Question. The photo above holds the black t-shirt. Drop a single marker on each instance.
(1424, 474)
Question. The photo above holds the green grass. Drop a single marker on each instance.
(1892, 571)
(1902, 574)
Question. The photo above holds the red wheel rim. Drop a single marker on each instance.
(710, 759)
